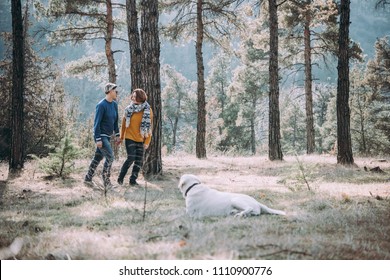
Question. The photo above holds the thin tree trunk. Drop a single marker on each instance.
(362, 120)
(253, 136)
(108, 47)
(275, 150)
(176, 123)
(17, 115)
(295, 129)
(310, 137)
(134, 45)
(174, 133)
(344, 143)
(201, 125)
(252, 125)
(152, 85)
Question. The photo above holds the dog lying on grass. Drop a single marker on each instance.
(202, 201)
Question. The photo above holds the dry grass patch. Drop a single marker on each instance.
(345, 215)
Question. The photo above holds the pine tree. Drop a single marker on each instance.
(201, 21)
(83, 21)
(325, 120)
(248, 90)
(344, 142)
(16, 160)
(134, 45)
(151, 82)
(217, 98)
(61, 162)
(360, 119)
(178, 110)
(378, 80)
(45, 102)
(310, 23)
(274, 144)
(293, 124)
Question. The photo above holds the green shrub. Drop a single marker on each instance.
(61, 162)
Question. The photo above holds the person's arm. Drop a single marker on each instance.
(122, 130)
(149, 138)
(96, 127)
(116, 128)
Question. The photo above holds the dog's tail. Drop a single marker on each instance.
(267, 210)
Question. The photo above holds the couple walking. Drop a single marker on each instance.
(135, 129)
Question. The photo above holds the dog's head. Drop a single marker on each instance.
(186, 182)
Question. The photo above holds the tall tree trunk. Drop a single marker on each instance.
(176, 123)
(201, 125)
(344, 143)
(310, 137)
(275, 149)
(362, 121)
(174, 133)
(152, 85)
(253, 136)
(134, 44)
(295, 131)
(252, 125)
(108, 47)
(17, 115)
(110, 61)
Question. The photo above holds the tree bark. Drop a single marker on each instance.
(108, 43)
(176, 123)
(152, 85)
(201, 125)
(344, 143)
(252, 125)
(275, 150)
(110, 61)
(310, 136)
(16, 161)
(134, 45)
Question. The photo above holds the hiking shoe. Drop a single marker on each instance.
(89, 183)
(109, 186)
(133, 183)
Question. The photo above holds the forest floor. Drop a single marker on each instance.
(333, 212)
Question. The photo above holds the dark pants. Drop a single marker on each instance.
(135, 154)
(104, 152)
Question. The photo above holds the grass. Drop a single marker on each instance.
(344, 215)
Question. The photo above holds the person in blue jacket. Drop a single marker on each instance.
(105, 125)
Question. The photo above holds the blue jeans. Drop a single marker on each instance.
(104, 152)
(135, 153)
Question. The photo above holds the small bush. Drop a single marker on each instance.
(61, 162)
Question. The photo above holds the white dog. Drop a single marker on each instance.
(201, 201)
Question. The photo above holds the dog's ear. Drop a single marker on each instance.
(193, 178)
(181, 183)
